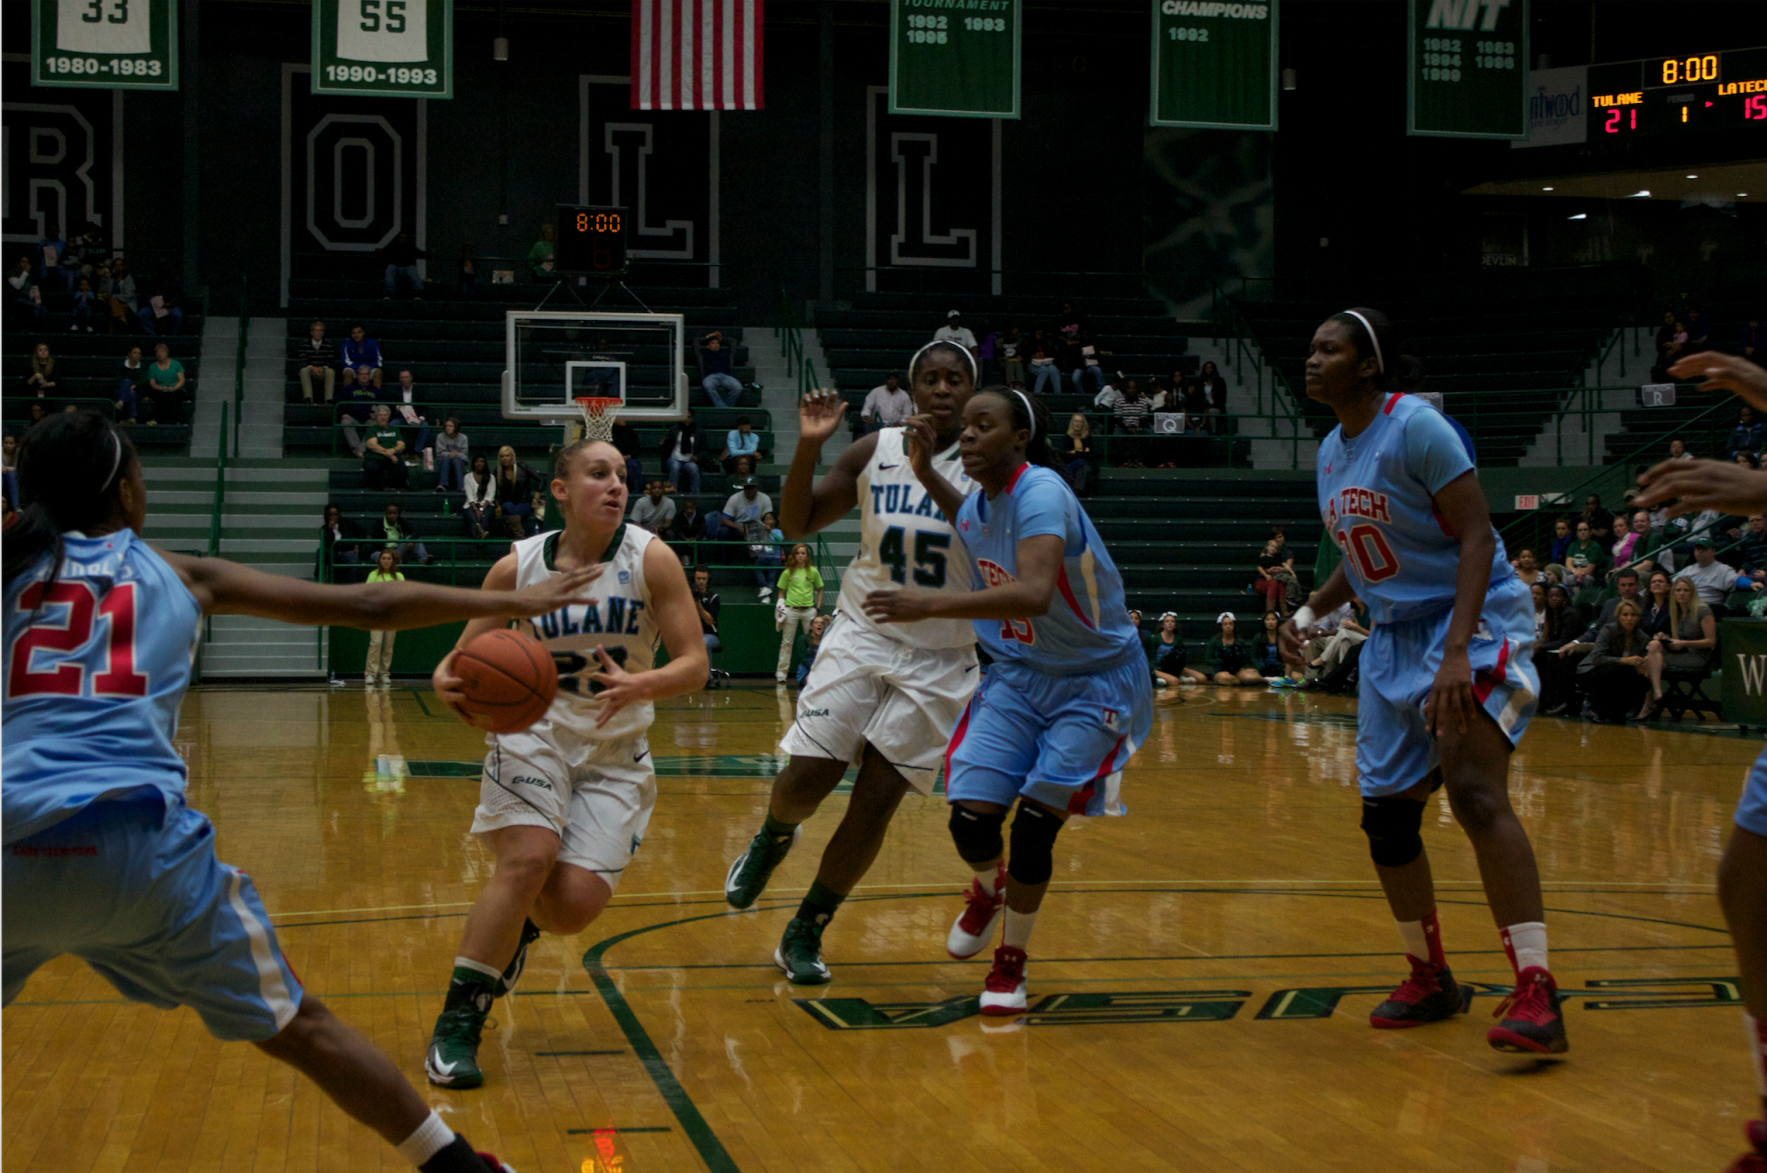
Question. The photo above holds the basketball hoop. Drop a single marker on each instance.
(598, 416)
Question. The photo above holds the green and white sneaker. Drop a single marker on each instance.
(512, 973)
(453, 1056)
(748, 876)
(800, 954)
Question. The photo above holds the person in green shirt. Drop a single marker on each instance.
(383, 454)
(800, 597)
(165, 387)
(541, 258)
(1228, 657)
(380, 643)
(1586, 558)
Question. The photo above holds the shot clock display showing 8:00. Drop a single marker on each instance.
(390, 48)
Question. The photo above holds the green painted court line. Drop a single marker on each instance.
(555, 1054)
(418, 693)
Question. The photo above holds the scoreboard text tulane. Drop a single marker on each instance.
(1713, 92)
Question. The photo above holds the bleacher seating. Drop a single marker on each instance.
(86, 366)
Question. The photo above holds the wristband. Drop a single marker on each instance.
(1304, 617)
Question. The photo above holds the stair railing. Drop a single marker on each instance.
(220, 486)
(239, 366)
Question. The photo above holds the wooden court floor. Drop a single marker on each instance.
(1200, 976)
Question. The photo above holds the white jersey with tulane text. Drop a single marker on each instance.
(906, 544)
(618, 618)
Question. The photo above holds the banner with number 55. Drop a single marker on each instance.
(385, 48)
(105, 44)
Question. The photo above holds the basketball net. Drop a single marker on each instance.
(598, 416)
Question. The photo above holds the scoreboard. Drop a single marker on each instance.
(590, 239)
(1722, 91)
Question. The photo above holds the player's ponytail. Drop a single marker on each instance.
(1376, 336)
(1029, 414)
(70, 467)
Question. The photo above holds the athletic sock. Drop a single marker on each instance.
(1758, 1052)
(819, 904)
(1526, 945)
(430, 1138)
(469, 981)
(1017, 932)
(993, 879)
(776, 830)
(455, 1157)
(1423, 939)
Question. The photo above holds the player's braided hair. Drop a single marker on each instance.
(69, 468)
(1398, 371)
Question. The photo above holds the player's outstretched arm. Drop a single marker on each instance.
(677, 621)
(806, 505)
(1039, 564)
(227, 588)
(922, 441)
(450, 689)
(1691, 486)
(1725, 372)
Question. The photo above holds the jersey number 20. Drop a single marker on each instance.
(929, 557)
(81, 603)
(570, 664)
(1367, 547)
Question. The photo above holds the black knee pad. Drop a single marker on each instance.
(1033, 845)
(1393, 827)
(977, 836)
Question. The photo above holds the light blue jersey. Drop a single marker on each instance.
(1087, 628)
(1377, 494)
(96, 665)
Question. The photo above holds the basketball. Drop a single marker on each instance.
(509, 680)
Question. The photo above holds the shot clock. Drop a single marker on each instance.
(1721, 91)
(590, 239)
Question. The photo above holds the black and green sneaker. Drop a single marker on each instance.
(748, 876)
(800, 954)
(453, 1056)
(512, 973)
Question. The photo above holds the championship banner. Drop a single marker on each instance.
(1214, 64)
(384, 48)
(1468, 69)
(105, 44)
(955, 57)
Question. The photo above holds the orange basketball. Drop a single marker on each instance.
(509, 680)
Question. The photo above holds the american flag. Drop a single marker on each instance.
(696, 55)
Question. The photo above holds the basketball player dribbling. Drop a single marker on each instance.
(103, 858)
(1685, 487)
(564, 804)
(887, 696)
(1447, 679)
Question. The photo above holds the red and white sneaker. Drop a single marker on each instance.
(1004, 991)
(1531, 1021)
(1430, 994)
(494, 1164)
(1754, 1161)
(981, 912)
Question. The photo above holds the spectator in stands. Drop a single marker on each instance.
(1562, 537)
(1630, 543)
(1746, 459)
(741, 467)
(740, 441)
(1627, 584)
(766, 552)
(50, 250)
(1131, 415)
(383, 457)
(339, 544)
(708, 604)
(1229, 658)
(116, 289)
(1333, 640)
(1656, 601)
(166, 387)
(1671, 338)
(1527, 568)
(1751, 549)
(805, 649)
(354, 406)
(402, 534)
(467, 272)
(161, 314)
(625, 438)
(1752, 345)
(317, 363)
(955, 331)
(1746, 436)
(680, 453)
(542, 256)
(406, 407)
(130, 376)
(85, 308)
(987, 356)
(1043, 368)
(361, 351)
(1699, 332)
(1069, 324)
(86, 251)
(1586, 558)
(1616, 666)
(1170, 659)
(1687, 645)
(401, 256)
(800, 597)
(1012, 358)
(887, 404)
(1088, 368)
(1277, 581)
(1538, 593)
(653, 511)
(719, 384)
(38, 413)
(1710, 577)
(688, 525)
(480, 508)
(1678, 450)
(1215, 386)
(1601, 522)
(1079, 458)
(41, 380)
(741, 519)
(1267, 653)
(517, 491)
(24, 289)
(379, 665)
(452, 453)
(1563, 624)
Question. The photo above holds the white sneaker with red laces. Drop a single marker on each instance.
(1004, 991)
(972, 931)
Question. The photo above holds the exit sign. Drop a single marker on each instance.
(1527, 501)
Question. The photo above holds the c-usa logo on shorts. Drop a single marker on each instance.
(1110, 718)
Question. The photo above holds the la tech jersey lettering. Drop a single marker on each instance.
(906, 544)
(1377, 496)
(617, 617)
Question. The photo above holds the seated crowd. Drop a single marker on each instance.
(1690, 332)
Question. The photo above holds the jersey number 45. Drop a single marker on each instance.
(929, 556)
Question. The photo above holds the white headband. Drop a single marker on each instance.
(1029, 410)
(963, 350)
(1375, 338)
(115, 463)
